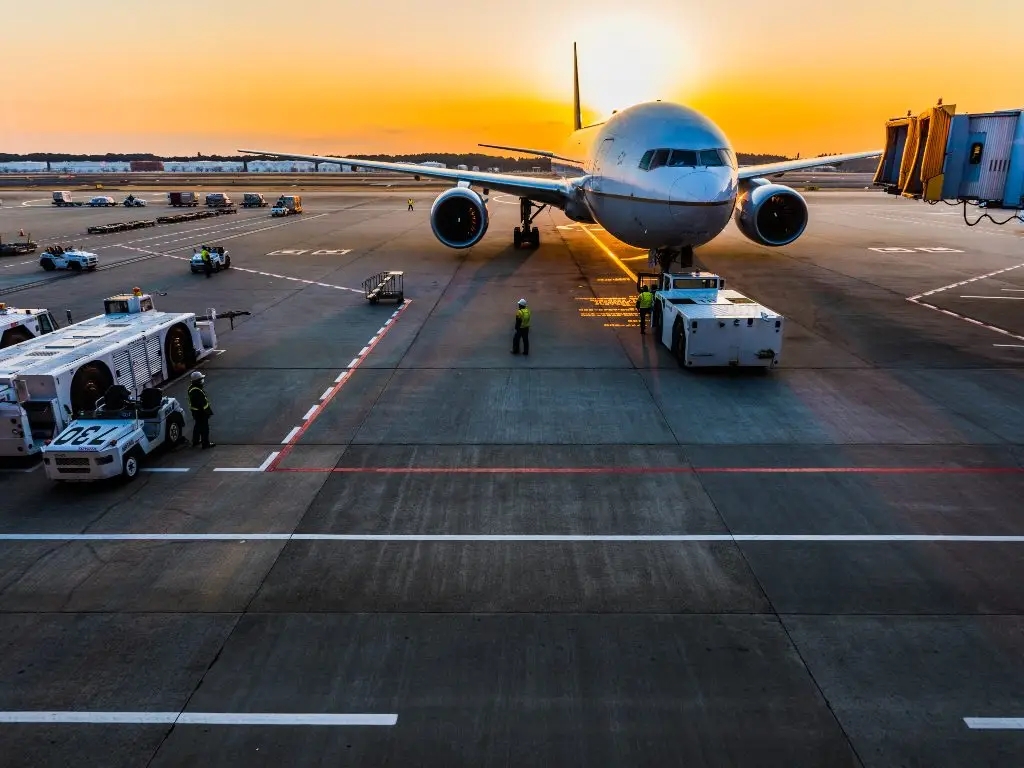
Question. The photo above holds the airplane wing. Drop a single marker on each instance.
(525, 151)
(767, 169)
(556, 192)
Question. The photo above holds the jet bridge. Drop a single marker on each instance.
(971, 158)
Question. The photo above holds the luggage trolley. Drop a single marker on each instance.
(385, 285)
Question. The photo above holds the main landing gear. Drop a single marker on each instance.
(527, 235)
(666, 257)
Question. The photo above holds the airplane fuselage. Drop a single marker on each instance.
(659, 175)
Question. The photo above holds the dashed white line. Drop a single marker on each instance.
(292, 433)
(198, 718)
(354, 363)
(268, 461)
(995, 723)
(958, 316)
(327, 392)
(965, 282)
(310, 412)
(1005, 298)
(363, 351)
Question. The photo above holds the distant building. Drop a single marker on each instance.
(23, 166)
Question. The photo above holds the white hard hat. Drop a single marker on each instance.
(197, 375)
(522, 302)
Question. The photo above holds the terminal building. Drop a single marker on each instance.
(940, 155)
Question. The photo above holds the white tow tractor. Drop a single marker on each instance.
(18, 325)
(115, 437)
(705, 324)
(220, 258)
(59, 257)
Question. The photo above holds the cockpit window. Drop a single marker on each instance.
(687, 158)
(682, 158)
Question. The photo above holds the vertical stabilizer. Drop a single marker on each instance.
(577, 118)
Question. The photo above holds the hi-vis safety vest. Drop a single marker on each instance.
(198, 402)
(646, 300)
(206, 255)
(524, 317)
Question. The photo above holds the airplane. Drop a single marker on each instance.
(656, 175)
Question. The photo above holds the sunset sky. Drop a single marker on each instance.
(333, 76)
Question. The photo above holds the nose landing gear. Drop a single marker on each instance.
(526, 234)
(666, 256)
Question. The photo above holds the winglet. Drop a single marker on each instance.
(577, 117)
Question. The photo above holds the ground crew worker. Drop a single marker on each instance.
(644, 302)
(199, 404)
(207, 263)
(522, 329)
(410, 204)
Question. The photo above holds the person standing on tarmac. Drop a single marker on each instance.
(410, 204)
(522, 329)
(207, 263)
(199, 404)
(644, 302)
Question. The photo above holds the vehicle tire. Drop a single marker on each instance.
(48, 264)
(175, 429)
(517, 237)
(656, 319)
(14, 336)
(679, 342)
(75, 266)
(227, 262)
(130, 466)
(178, 351)
(88, 385)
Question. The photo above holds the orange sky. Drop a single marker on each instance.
(336, 76)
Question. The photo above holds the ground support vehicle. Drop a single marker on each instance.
(219, 258)
(103, 201)
(121, 226)
(18, 325)
(705, 324)
(286, 205)
(183, 199)
(385, 285)
(254, 200)
(47, 381)
(63, 200)
(59, 257)
(218, 200)
(134, 202)
(177, 218)
(18, 249)
(115, 437)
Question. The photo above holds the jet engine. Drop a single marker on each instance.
(458, 217)
(770, 214)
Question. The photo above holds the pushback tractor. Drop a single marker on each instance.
(47, 381)
(705, 324)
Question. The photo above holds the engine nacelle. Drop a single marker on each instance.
(770, 214)
(459, 217)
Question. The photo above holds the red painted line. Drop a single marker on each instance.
(661, 470)
(334, 391)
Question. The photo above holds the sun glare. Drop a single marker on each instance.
(625, 60)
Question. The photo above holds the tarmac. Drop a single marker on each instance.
(410, 547)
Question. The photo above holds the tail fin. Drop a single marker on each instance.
(577, 117)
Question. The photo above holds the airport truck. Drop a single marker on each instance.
(63, 199)
(218, 200)
(115, 437)
(47, 381)
(183, 199)
(704, 324)
(18, 248)
(59, 257)
(254, 200)
(18, 325)
(220, 258)
(286, 205)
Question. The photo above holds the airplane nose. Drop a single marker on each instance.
(693, 188)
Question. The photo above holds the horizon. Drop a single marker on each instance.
(327, 79)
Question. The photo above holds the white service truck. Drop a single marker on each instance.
(18, 325)
(45, 382)
(115, 437)
(59, 257)
(220, 258)
(705, 324)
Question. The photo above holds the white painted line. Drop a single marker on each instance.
(1011, 346)
(995, 723)
(1009, 298)
(164, 469)
(199, 718)
(914, 300)
(363, 351)
(1011, 290)
(965, 282)
(337, 380)
(327, 392)
(287, 438)
(310, 412)
(268, 461)
(354, 363)
(237, 469)
(557, 538)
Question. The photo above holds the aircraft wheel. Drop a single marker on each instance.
(517, 237)
(535, 237)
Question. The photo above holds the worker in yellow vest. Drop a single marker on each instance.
(644, 302)
(522, 329)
